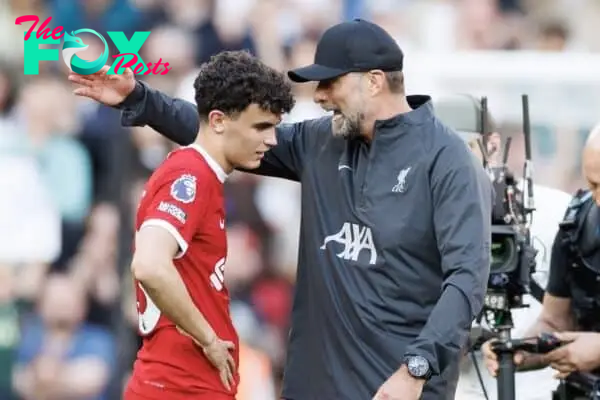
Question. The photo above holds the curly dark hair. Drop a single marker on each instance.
(233, 80)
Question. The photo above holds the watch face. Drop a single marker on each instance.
(418, 366)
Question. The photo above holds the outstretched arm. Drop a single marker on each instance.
(178, 120)
(175, 119)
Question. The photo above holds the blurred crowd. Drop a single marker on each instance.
(71, 176)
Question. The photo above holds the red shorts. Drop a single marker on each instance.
(131, 395)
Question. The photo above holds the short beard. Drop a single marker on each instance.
(346, 128)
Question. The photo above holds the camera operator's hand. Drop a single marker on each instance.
(580, 353)
(491, 358)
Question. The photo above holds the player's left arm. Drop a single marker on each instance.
(462, 198)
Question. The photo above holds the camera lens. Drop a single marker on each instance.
(503, 253)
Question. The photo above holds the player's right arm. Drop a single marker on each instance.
(170, 222)
(153, 267)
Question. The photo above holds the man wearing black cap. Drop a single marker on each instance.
(395, 236)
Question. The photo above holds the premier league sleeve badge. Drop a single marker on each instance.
(184, 189)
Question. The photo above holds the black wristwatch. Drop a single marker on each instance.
(418, 366)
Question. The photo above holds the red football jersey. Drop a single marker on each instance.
(185, 196)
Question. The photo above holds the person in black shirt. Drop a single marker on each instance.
(572, 299)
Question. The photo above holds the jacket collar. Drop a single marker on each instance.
(422, 111)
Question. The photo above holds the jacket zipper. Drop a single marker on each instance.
(363, 184)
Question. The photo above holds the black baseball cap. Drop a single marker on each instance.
(353, 46)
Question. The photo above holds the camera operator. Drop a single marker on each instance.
(572, 298)
(463, 113)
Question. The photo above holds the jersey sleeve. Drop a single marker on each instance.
(178, 204)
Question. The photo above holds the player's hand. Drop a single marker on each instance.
(581, 353)
(218, 353)
(106, 89)
(491, 359)
(400, 386)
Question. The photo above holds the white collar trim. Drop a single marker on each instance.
(214, 165)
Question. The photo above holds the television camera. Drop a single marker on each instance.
(513, 254)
